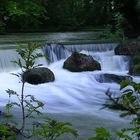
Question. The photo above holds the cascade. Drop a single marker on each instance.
(73, 95)
(101, 47)
(104, 53)
(6, 56)
(56, 52)
(59, 51)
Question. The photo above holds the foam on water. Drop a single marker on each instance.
(74, 93)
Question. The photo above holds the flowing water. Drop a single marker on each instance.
(73, 96)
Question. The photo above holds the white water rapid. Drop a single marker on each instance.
(77, 97)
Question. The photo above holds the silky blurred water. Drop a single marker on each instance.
(73, 96)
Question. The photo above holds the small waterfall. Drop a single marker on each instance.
(6, 56)
(103, 53)
(91, 47)
(59, 51)
(111, 62)
(55, 52)
(9, 55)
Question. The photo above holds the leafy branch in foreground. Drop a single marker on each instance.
(6, 132)
(26, 62)
(28, 56)
(29, 105)
(129, 102)
(101, 134)
(52, 129)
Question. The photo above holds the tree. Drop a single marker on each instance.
(22, 14)
(131, 11)
(65, 14)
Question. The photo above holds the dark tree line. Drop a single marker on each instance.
(26, 15)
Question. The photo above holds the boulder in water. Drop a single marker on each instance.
(135, 66)
(136, 60)
(107, 78)
(123, 50)
(38, 75)
(133, 49)
(129, 48)
(78, 62)
(135, 70)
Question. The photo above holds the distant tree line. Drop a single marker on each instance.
(61, 15)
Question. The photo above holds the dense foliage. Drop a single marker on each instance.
(129, 102)
(55, 15)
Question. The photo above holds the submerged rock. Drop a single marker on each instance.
(131, 48)
(38, 75)
(106, 78)
(78, 62)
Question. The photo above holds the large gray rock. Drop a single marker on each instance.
(78, 62)
(38, 75)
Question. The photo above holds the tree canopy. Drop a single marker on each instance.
(26, 15)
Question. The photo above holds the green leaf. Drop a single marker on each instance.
(124, 136)
(101, 134)
(8, 106)
(11, 92)
(40, 104)
(124, 84)
(124, 114)
(53, 129)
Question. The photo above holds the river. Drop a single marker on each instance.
(77, 97)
